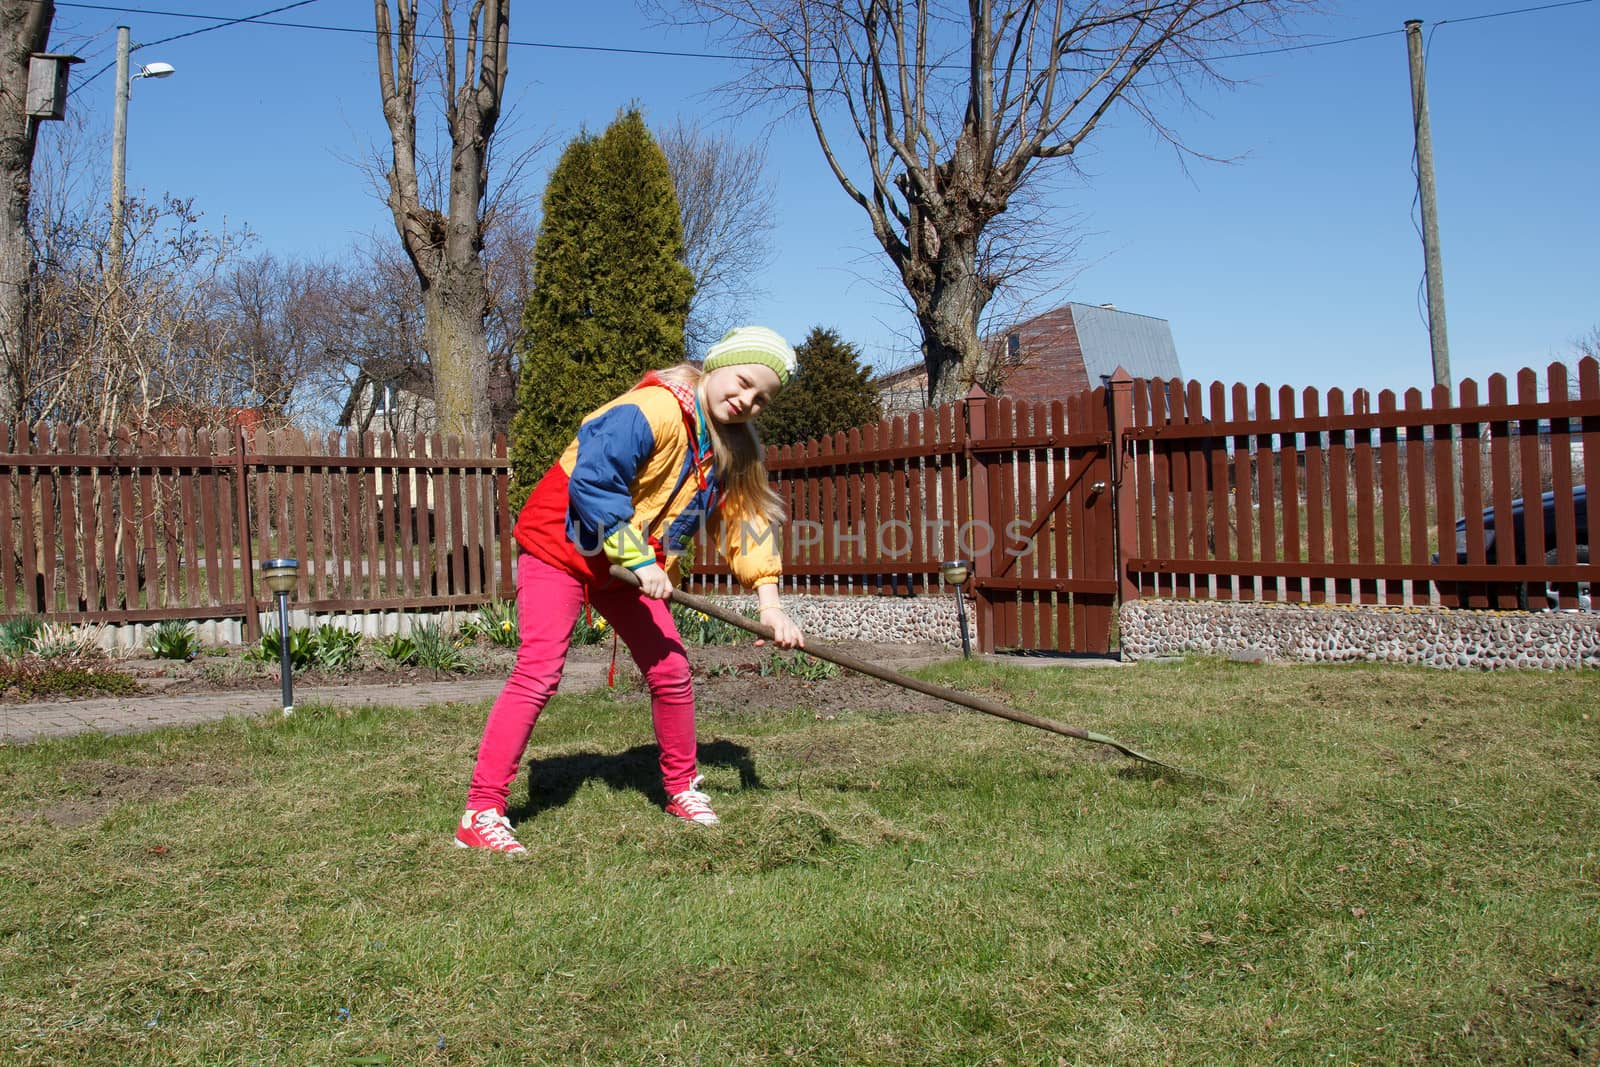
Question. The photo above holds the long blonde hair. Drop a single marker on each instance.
(737, 450)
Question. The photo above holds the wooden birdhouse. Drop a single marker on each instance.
(47, 85)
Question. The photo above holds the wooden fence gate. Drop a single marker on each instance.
(1042, 493)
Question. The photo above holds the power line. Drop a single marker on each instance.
(261, 20)
(367, 32)
(222, 23)
(1517, 11)
(1315, 44)
(230, 22)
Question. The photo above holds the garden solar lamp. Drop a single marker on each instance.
(281, 575)
(955, 572)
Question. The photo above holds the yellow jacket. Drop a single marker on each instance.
(636, 486)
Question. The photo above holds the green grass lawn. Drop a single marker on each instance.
(1404, 866)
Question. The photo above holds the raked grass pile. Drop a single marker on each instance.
(1403, 866)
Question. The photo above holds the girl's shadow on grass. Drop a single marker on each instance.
(553, 782)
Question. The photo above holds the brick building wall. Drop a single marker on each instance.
(1057, 354)
(1045, 362)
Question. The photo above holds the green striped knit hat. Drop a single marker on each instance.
(752, 344)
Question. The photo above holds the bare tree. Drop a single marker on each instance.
(24, 29)
(272, 329)
(352, 329)
(111, 347)
(726, 202)
(110, 351)
(1589, 344)
(954, 106)
(380, 333)
(511, 229)
(445, 246)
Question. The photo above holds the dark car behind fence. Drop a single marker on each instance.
(1548, 549)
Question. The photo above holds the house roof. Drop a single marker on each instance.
(1108, 336)
(414, 379)
(905, 375)
(1111, 337)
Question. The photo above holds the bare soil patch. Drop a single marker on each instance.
(738, 678)
(109, 785)
(728, 678)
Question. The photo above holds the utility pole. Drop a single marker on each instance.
(119, 148)
(119, 138)
(1437, 339)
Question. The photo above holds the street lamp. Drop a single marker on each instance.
(119, 135)
(281, 575)
(955, 572)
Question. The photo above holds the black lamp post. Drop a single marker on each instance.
(955, 572)
(280, 575)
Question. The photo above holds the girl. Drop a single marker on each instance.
(646, 471)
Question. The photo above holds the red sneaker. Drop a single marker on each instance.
(693, 806)
(487, 829)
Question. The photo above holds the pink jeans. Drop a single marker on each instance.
(548, 602)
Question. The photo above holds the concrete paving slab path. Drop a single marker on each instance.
(25, 723)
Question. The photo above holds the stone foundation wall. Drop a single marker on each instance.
(1430, 637)
(373, 624)
(890, 620)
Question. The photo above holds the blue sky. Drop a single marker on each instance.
(1298, 262)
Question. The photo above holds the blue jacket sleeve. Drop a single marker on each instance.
(612, 447)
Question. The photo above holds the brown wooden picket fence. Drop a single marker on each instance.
(1140, 488)
(1245, 493)
(1215, 491)
(173, 525)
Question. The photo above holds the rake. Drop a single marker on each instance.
(904, 681)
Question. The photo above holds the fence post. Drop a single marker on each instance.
(252, 613)
(975, 410)
(1120, 396)
(503, 524)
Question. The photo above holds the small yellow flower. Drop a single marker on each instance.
(505, 627)
(601, 625)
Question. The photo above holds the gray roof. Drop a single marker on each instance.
(1111, 338)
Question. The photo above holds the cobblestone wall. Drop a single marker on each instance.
(1432, 637)
(892, 620)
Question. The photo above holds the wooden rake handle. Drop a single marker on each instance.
(904, 681)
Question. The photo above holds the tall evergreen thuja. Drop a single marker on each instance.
(610, 291)
(830, 391)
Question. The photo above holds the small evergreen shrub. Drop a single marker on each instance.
(831, 391)
(33, 677)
